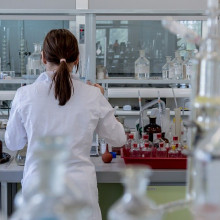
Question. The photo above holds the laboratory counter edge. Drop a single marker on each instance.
(10, 172)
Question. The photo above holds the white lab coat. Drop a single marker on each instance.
(36, 113)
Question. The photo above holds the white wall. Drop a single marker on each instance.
(148, 4)
(38, 4)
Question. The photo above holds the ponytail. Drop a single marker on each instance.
(60, 48)
(63, 85)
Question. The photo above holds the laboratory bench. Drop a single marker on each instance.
(108, 178)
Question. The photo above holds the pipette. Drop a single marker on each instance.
(141, 112)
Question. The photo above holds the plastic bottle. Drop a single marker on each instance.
(129, 144)
(161, 151)
(173, 153)
(156, 144)
(146, 151)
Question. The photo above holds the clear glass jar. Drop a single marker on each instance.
(178, 66)
(52, 195)
(167, 69)
(134, 204)
(142, 67)
(188, 65)
(35, 66)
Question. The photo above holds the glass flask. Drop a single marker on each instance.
(52, 195)
(206, 100)
(167, 69)
(152, 128)
(178, 66)
(205, 96)
(35, 65)
(206, 204)
(134, 204)
(142, 66)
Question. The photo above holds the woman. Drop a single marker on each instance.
(58, 104)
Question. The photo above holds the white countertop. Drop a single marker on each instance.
(106, 172)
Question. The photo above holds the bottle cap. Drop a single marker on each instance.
(146, 137)
(146, 144)
(135, 145)
(159, 135)
(131, 136)
(173, 147)
(175, 138)
(161, 144)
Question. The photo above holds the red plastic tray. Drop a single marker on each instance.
(157, 163)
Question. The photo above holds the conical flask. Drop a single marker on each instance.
(134, 204)
(51, 194)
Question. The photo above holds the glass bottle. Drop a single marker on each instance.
(173, 153)
(178, 66)
(188, 66)
(134, 205)
(167, 69)
(152, 128)
(144, 141)
(177, 145)
(161, 151)
(51, 194)
(35, 65)
(135, 150)
(146, 151)
(156, 144)
(206, 203)
(142, 66)
(129, 144)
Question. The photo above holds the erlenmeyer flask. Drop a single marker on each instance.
(51, 195)
(134, 204)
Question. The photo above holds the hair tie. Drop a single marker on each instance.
(63, 60)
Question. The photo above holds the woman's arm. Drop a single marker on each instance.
(15, 135)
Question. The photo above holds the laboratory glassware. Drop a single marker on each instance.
(134, 204)
(152, 128)
(142, 66)
(156, 144)
(4, 49)
(161, 150)
(35, 66)
(21, 156)
(167, 69)
(188, 66)
(178, 66)
(206, 204)
(52, 194)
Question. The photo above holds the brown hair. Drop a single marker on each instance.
(61, 44)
